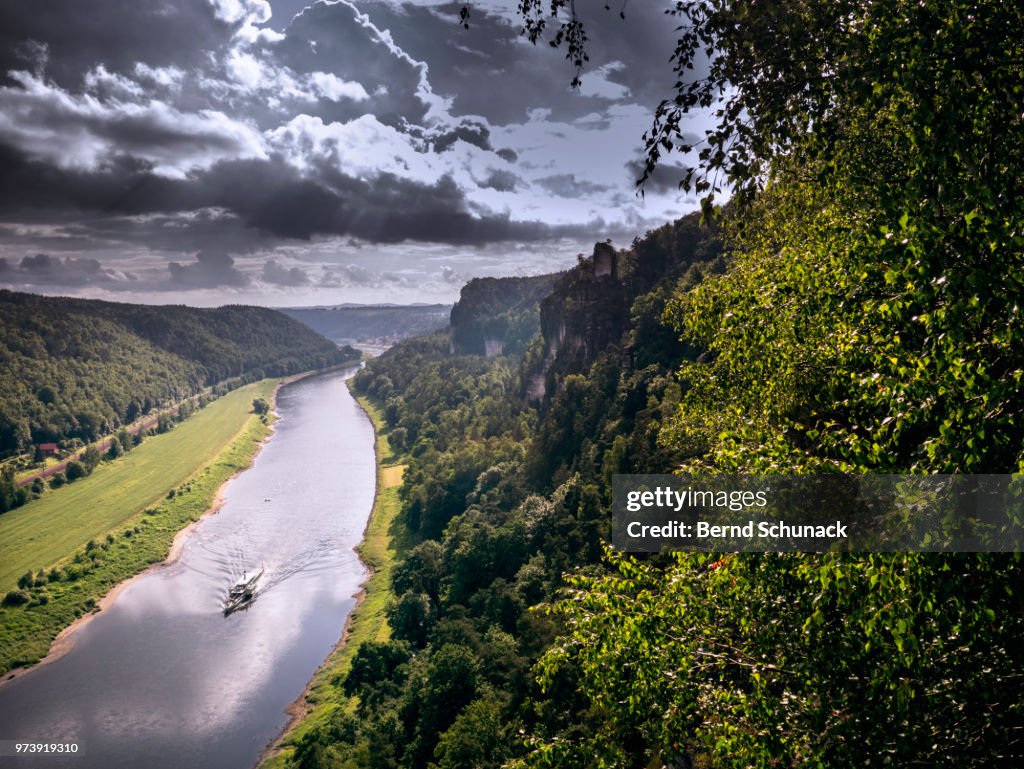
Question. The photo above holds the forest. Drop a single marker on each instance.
(854, 308)
(79, 369)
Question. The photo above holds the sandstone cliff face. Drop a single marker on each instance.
(586, 311)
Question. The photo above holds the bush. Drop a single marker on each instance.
(74, 471)
(16, 598)
(90, 458)
(58, 480)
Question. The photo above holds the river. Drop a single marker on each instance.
(162, 679)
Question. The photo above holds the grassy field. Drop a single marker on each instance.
(50, 528)
(103, 529)
(385, 542)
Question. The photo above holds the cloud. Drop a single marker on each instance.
(274, 273)
(46, 270)
(597, 83)
(71, 131)
(501, 180)
(118, 33)
(332, 87)
(567, 185)
(242, 11)
(194, 129)
(349, 275)
(212, 269)
(666, 177)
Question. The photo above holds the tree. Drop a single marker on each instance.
(885, 658)
(125, 439)
(72, 473)
(869, 323)
(260, 406)
(90, 458)
(787, 79)
(22, 435)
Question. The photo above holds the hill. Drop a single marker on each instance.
(78, 368)
(377, 324)
(518, 640)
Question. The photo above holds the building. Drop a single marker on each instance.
(48, 449)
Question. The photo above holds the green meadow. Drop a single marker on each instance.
(50, 528)
(83, 539)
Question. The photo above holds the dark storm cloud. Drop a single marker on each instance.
(269, 197)
(80, 131)
(665, 178)
(491, 71)
(568, 186)
(337, 38)
(47, 270)
(119, 33)
(471, 132)
(501, 180)
(212, 269)
(274, 273)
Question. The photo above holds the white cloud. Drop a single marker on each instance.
(168, 77)
(334, 88)
(84, 130)
(597, 84)
(246, 11)
(245, 69)
(362, 148)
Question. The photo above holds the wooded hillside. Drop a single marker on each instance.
(77, 368)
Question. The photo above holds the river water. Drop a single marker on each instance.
(162, 679)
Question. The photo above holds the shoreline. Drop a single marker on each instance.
(301, 708)
(64, 641)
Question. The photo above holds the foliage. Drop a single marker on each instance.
(494, 526)
(77, 368)
(869, 323)
(899, 660)
(498, 312)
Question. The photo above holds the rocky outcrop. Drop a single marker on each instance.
(586, 311)
(498, 316)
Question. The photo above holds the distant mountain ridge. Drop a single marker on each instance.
(357, 323)
(77, 368)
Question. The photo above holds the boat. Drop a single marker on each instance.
(243, 591)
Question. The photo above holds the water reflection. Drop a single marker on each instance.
(162, 678)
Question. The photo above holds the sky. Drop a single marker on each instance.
(277, 153)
